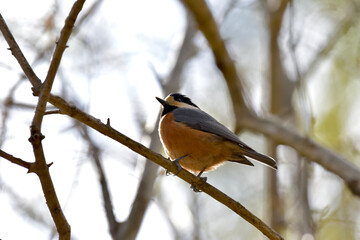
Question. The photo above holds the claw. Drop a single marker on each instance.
(177, 163)
(203, 179)
(195, 189)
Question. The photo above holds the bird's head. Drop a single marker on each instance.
(176, 100)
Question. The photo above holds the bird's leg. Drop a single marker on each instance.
(177, 163)
(203, 179)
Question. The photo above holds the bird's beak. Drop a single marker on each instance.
(163, 102)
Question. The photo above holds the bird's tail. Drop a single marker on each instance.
(268, 161)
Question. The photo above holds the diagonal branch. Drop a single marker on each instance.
(94, 152)
(129, 228)
(54, 65)
(107, 130)
(313, 151)
(15, 50)
(207, 25)
(306, 147)
(15, 160)
(40, 167)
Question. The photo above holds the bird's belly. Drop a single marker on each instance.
(204, 151)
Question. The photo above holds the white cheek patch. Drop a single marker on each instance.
(184, 105)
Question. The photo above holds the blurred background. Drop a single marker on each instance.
(299, 60)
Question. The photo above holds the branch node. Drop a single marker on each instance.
(31, 169)
(108, 122)
(35, 135)
(36, 90)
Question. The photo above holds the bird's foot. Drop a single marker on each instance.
(203, 180)
(195, 189)
(178, 166)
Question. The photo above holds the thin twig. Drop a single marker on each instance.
(15, 50)
(54, 65)
(15, 160)
(95, 153)
(90, 11)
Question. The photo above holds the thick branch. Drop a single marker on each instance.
(331, 161)
(160, 160)
(208, 27)
(281, 90)
(306, 147)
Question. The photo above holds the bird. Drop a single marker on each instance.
(197, 142)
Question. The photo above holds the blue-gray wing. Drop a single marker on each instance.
(200, 120)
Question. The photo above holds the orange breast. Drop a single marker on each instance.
(205, 150)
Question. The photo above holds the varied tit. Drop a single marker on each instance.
(196, 141)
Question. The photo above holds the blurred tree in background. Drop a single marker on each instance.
(296, 85)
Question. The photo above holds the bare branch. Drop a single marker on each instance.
(40, 167)
(306, 223)
(16, 160)
(106, 130)
(208, 27)
(54, 65)
(187, 51)
(15, 50)
(129, 228)
(5, 112)
(313, 151)
(306, 147)
(95, 153)
(279, 133)
(281, 90)
(91, 10)
(157, 158)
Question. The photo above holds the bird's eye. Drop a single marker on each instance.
(178, 99)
